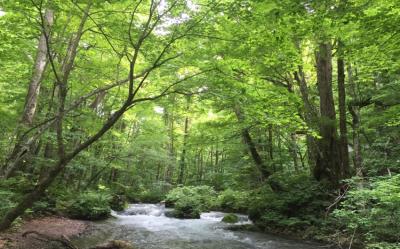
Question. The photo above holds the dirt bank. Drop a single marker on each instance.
(55, 227)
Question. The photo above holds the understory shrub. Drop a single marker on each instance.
(300, 203)
(90, 205)
(7, 201)
(189, 202)
(233, 201)
(371, 211)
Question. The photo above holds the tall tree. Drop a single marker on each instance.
(328, 164)
(344, 152)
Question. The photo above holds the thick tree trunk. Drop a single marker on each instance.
(328, 165)
(344, 153)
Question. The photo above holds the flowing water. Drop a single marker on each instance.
(147, 227)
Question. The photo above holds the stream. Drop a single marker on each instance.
(147, 227)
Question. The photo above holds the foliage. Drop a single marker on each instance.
(301, 204)
(189, 202)
(90, 205)
(233, 201)
(372, 211)
(7, 201)
(225, 91)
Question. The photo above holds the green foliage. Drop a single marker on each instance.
(90, 205)
(299, 205)
(187, 208)
(150, 196)
(372, 211)
(7, 201)
(189, 202)
(233, 201)
(230, 218)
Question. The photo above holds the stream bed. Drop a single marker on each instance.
(147, 227)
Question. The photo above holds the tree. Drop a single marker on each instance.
(62, 76)
(327, 165)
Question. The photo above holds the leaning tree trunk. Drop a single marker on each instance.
(38, 70)
(310, 116)
(328, 164)
(23, 146)
(40, 188)
(252, 148)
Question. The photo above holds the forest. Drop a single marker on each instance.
(287, 111)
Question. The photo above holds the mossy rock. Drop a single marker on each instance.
(230, 218)
(118, 203)
(188, 213)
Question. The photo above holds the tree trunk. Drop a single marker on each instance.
(344, 153)
(38, 70)
(354, 110)
(182, 162)
(310, 116)
(22, 147)
(293, 151)
(252, 148)
(328, 165)
(33, 196)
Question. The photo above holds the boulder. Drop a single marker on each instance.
(230, 218)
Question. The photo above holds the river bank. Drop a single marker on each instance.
(52, 226)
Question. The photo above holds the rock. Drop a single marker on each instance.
(115, 244)
(118, 203)
(230, 218)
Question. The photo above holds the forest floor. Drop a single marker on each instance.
(52, 226)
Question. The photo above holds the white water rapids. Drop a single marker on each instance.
(147, 227)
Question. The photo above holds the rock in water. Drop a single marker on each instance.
(230, 218)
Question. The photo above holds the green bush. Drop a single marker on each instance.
(90, 205)
(300, 204)
(150, 196)
(189, 202)
(7, 201)
(233, 201)
(187, 208)
(372, 212)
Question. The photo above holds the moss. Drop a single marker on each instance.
(230, 218)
